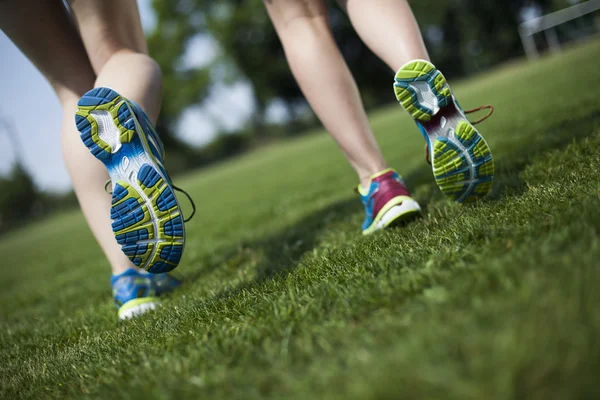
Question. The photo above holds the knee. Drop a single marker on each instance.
(306, 16)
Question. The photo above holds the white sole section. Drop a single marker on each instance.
(407, 209)
(425, 96)
(450, 118)
(138, 310)
(128, 168)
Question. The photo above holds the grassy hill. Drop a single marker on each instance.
(285, 299)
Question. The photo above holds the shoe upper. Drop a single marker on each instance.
(384, 187)
(157, 148)
(156, 145)
(164, 283)
(132, 284)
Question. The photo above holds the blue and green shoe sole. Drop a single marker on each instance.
(461, 159)
(146, 217)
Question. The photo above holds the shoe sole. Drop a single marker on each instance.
(396, 212)
(147, 219)
(460, 158)
(136, 307)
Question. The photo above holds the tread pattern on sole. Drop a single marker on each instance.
(463, 174)
(147, 221)
(462, 162)
(156, 250)
(103, 99)
(419, 73)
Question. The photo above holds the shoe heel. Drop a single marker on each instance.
(421, 89)
(104, 121)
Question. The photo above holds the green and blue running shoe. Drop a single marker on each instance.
(461, 159)
(147, 219)
(137, 292)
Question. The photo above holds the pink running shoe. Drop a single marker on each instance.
(387, 202)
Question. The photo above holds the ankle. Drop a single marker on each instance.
(365, 182)
(119, 269)
(366, 176)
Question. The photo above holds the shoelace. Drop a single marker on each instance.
(488, 107)
(190, 200)
(108, 182)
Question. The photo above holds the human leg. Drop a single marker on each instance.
(325, 79)
(461, 159)
(114, 40)
(56, 50)
(388, 28)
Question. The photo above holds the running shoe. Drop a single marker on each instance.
(461, 159)
(147, 218)
(137, 292)
(164, 283)
(387, 202)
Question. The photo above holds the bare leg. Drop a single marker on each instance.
(326, 81)
(55, 48)
(389, 28)
(112, 34)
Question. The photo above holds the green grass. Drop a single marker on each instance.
(285, 299)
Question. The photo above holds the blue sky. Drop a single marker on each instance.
(38, 124)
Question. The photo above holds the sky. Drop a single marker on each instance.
(29, 103)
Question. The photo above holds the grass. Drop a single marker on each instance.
(285, 299)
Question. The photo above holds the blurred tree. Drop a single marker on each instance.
(18, 196)
(250, 51)
(176, 23)
(462, 36)
(492, 31)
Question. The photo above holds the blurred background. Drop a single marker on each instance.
(228, 89)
